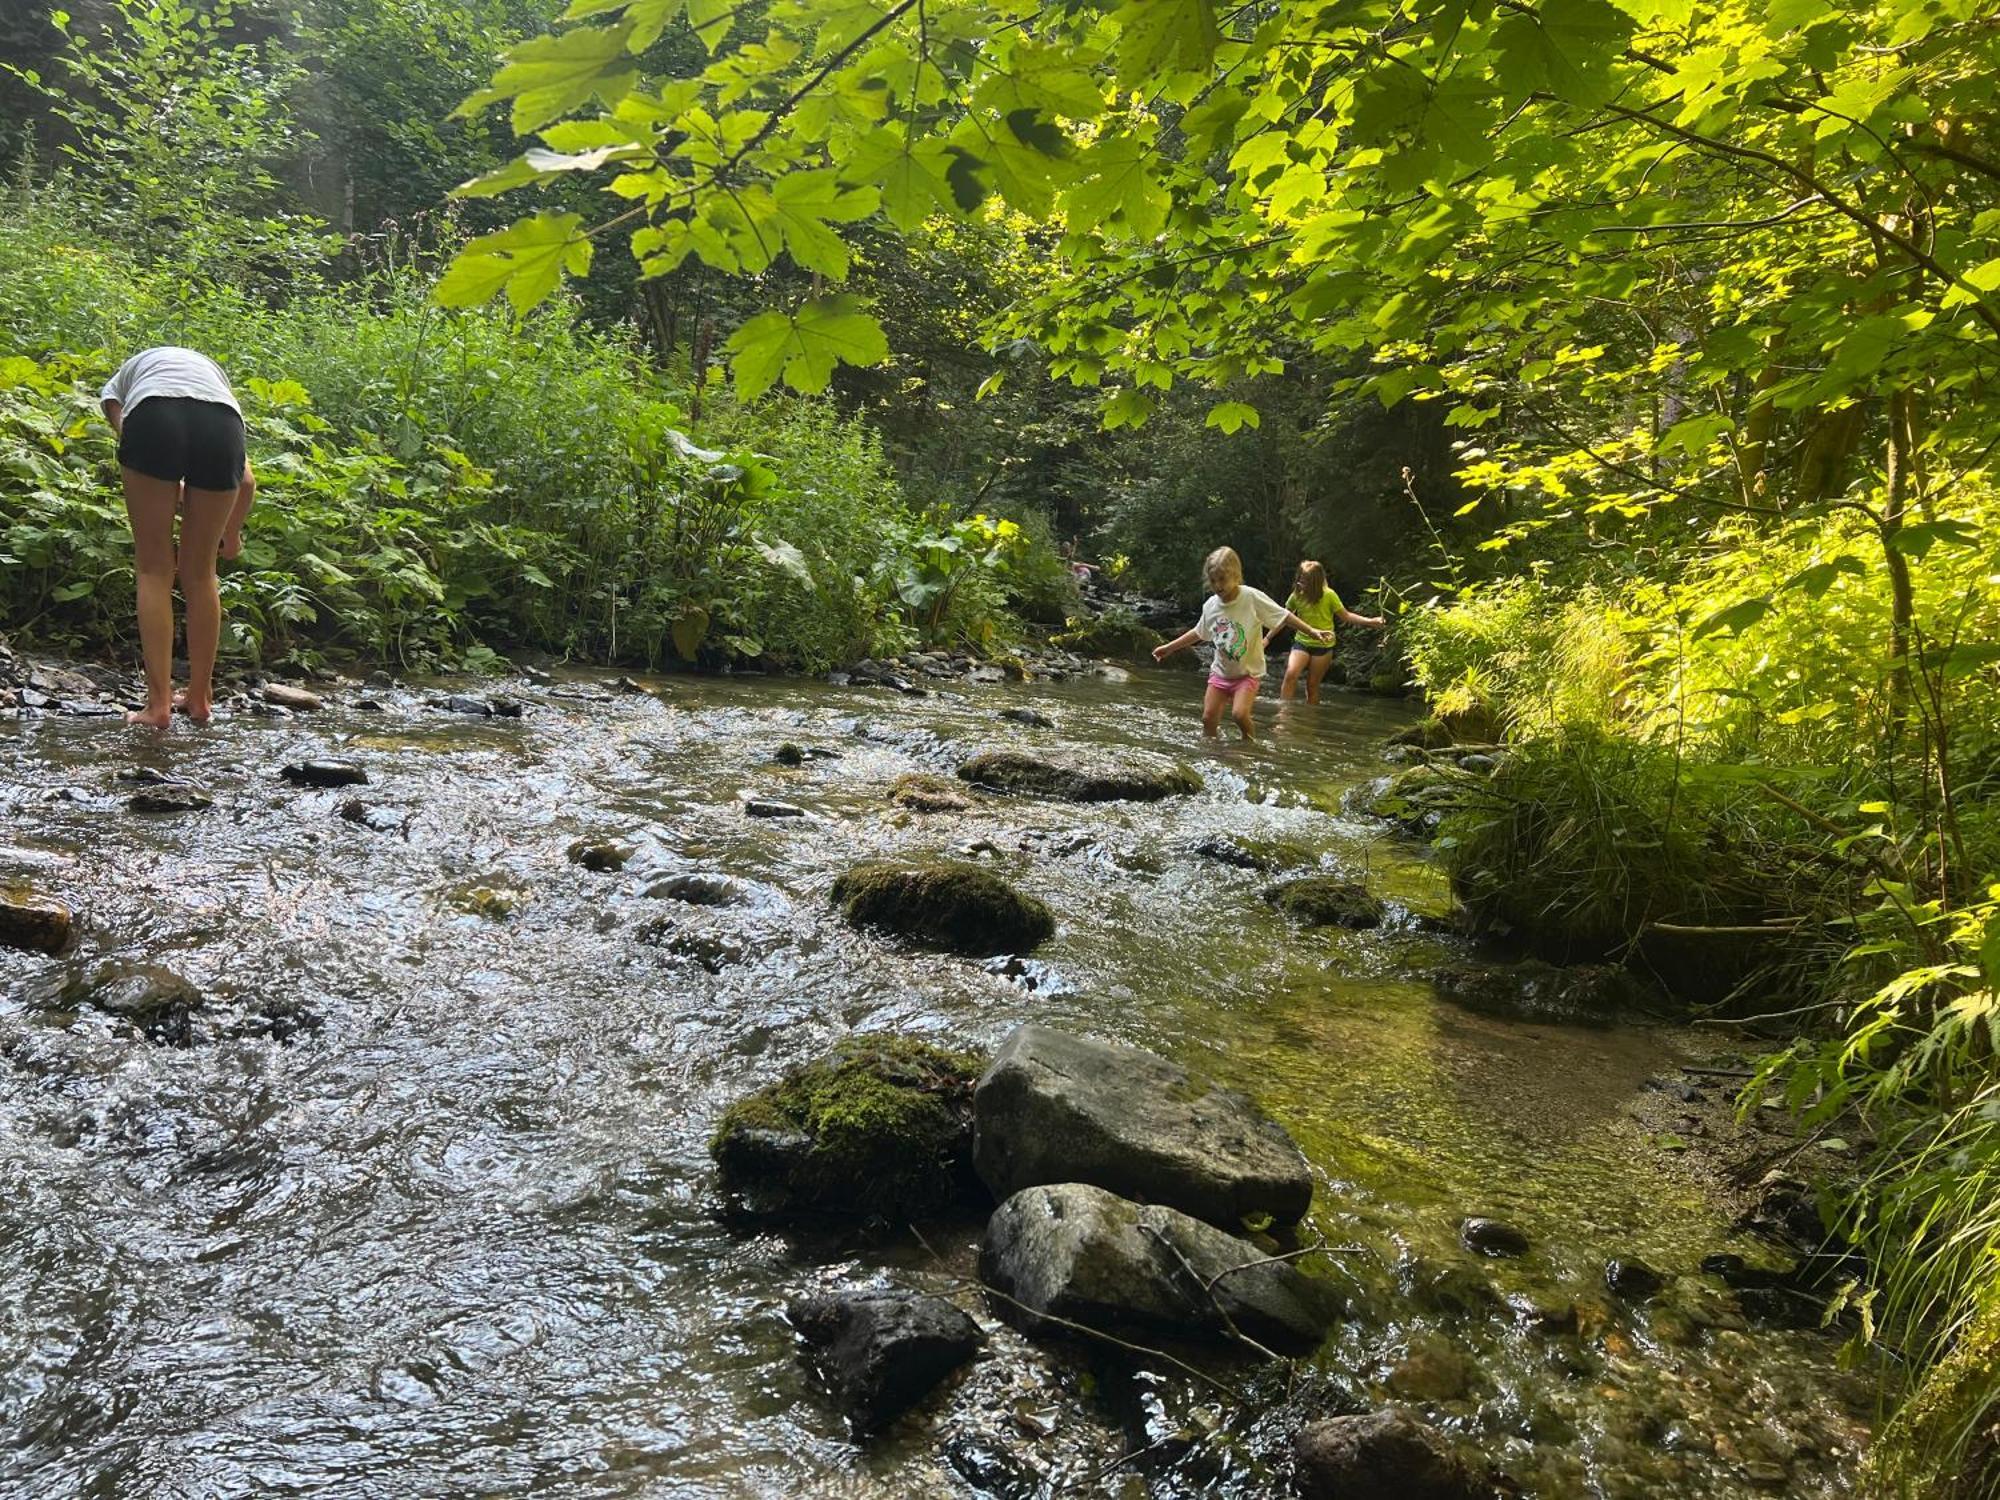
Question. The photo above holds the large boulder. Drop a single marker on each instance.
(1384, 1455)
(1060, 1108)
(1326, 901)
(1132, 779)
(960, 908)
(1074, 1252)
(880, 1127)
(33, 922)
(881, 1352)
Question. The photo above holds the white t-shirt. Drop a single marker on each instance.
(168, 371)
(1236, 630)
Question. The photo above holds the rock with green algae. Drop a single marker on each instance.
(878, 1128)
(1117, 633)
(923, 793)
(1132, 779)
(956, 907)
(1417, 799)
(1326, 901)
(1944, 1442)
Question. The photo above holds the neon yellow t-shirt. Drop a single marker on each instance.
(1319, 614)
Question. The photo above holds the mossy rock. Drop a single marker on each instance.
(1944, 1442)
(1030, 775)
(1573, 994)
(1117, 634)
(879, 1128)
(1425, 734)
(924, 793)
(1417, 799)
(1326, 901)
(960, 908)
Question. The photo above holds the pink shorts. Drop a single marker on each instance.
(1231, 685)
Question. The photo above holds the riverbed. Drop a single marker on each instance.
(424, 1206)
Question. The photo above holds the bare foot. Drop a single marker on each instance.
(152, 718)
(198, 710)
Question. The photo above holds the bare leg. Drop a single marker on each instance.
(150, 504)
(204, 513)
(1316, 674)
(1246, 699)
(1293, 663)
(1212, 704)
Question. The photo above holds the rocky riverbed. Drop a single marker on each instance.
(355, 1130)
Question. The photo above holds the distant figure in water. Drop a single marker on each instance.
(1234, 620)
(181, 450)
(1318, 605)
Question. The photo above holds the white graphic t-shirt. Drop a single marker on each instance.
(1236, 630)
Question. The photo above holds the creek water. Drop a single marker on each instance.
(425, 1208)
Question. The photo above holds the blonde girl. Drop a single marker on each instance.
(1313, 601)
(1234, 620)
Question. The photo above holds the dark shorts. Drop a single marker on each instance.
(178, 437)
(1312, 650)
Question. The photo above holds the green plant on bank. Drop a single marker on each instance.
(951, 576)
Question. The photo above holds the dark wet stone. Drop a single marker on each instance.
(148, 776)
(368, 706)
(700, 890)
(1060, 1108)
(1032, 717)
(150, 998)
(1478, 763)
(879, 1128)
(992, 1469)
(928, 794)
(464, 703)
(293, 699)
(1425, 734)
(1385, 1455)
(601, 855)
(959, 908)
(1454, 1290)
(789, 754)
(170, 797)
(1326, 901)
(37, 923)
(507, 708)
(379, 680)
(881, 1352)
(325, 773)
(771, 807)
(1544, 1314)
(714, 951)
(1632, 1279)
(1226, 851)
(374, 817)
(1431, 1369)
(1573, 994)
(1076, 1252)
(1492, 1238)
(1132, 779)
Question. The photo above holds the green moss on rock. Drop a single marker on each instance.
(1117, 633)
(1030, 775)
(924, 793)
(880, 1127)
(960, 908)
(1326, 901)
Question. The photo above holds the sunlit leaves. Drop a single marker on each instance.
(1231, 416)
(1158, 36)
(548, 76)
(803, 347)
(526, 260)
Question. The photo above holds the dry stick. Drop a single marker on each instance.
(1083, 1328)
(1214, 1301)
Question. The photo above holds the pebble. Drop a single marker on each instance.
(601, 855)
(297, 699)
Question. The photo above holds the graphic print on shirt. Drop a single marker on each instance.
(1230, 639)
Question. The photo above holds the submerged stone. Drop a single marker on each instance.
(1417, 799)
(789, 754)
(464, 703)
(1574, 994)
(601, 855)
(1133, 779)
(1385, 1455)
(928, 794)
(959, 908)
(881, 1352)
(1326, 901)
(880, 1127)
(1076, 1252)
(1492, 1238)
(1060, 1108)
(150, 998)
(1034, 718)
(39, 924)
(170, 798)
(700, 890)
(1632, 1279)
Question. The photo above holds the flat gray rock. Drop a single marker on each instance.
(1075, 1252)
(1060, 1108)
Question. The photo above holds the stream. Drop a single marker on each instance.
(424, 1207)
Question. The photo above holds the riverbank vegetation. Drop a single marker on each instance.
(1651, 346)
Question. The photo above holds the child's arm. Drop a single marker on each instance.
(1374, 621)
(1301, 628)
(114, 413)
(1179, 643)
(246, 495)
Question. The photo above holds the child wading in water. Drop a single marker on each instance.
(1319, 606)
(1234, 620)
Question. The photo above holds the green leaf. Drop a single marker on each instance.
(1983, 278)
(549, 76)
(1231, 415)
(689, 630)
(1989, 952)
(527, 260)
(1916, 538)
(804, 347)
(1735, 618)
(1567, 47)
(1815, 580)
(1120, 186)
(1160, 36)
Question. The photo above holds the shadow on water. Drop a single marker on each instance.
(426, 1208)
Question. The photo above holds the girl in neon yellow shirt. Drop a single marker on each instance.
(1319, 606)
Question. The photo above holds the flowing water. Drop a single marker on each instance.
(424, 1207)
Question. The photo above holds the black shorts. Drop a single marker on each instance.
(1311, 650)
(179, 437)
